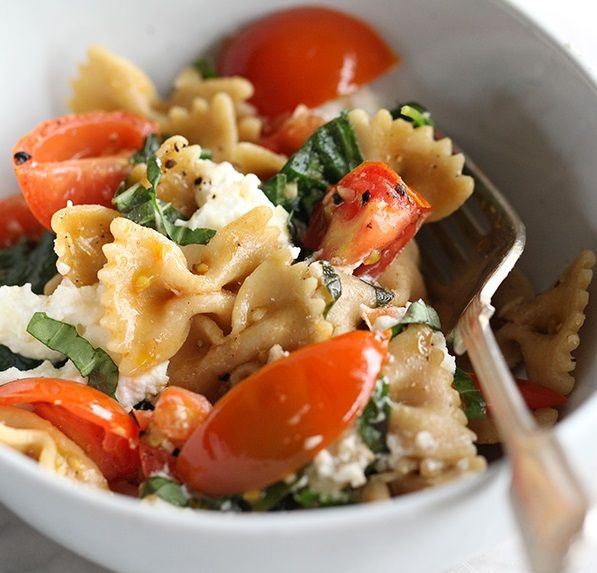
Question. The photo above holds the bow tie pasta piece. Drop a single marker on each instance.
(278, 303)
(428, 436)
(346, 313)
(110, 83)
(403, 276)
(213, 124)
(546, 328)
(426, 165)
(150, 295)
(81, 232)
(26, 432)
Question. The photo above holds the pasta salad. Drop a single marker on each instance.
(216, 299)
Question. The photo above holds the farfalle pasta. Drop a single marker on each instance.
(231, 312)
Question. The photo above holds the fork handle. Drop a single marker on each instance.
(548, 499)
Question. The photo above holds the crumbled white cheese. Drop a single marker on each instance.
(45, 370)
(133, 389)
(276, 352)
(425, 441)
(77, 306)
(225, 194)
(341, 464)
(438, 340)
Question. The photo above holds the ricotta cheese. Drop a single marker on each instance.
(45, 370)
(224, 194)
(78, 306)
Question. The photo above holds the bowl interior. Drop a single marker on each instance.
(499, 86)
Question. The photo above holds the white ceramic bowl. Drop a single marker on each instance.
(515, 101)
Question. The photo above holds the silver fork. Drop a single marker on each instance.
(469, 254)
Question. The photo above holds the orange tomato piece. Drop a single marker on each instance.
(17, 221)
(79, 158)
(305, 55)
(275, 421)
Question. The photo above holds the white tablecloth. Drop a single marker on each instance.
(22, 550)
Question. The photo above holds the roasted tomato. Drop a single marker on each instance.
(277, 419)
(78, 158)
(90, 418)
(305, 55)
(17, 221)
(366, 219)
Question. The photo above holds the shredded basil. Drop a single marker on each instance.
(142, 206)
(418, 313)
(205, 154)
(372, 424)
(166, 489)
(29, 261)
(91, 362)
(473, 403)
(333, 285)
(330, 153)
(309, 498)
(150, 145)
(414, 113)
(9, 359)
(206, 68)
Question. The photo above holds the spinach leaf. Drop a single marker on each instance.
(332, 283)
(206, 68)
(142, 206)
(29, 262)
(150, 145)
(166, 489)
(473, 403)
(91, 362)
(329, 154)
(418, 313)
(8, 359)
(372, 424)
(414, 113)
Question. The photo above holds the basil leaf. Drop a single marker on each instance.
(414, 113)
(418, 313)
(372, 424)
(330, 153)
(271, 497)
(227, 503)
(142, 206)
(309, 498)
(29, 262)
(166, 489)
(91, 362)
(206, 68)
(144, 405)
(205, 154)
(150, 145)
(332, 283)
(8, 359)
(473, 403)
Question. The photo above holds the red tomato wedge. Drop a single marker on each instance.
(93, 420)
(81, 158)
(288, 133)
(305, 55)
(275, 421)
(534, 395)
(17, 221)
(366, 219)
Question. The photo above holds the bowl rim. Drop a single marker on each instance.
(406, 504)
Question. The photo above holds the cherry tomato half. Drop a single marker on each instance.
(93, 420)
(366, 219)
(275, 421)
(81, 158)
(305, 55)
(17, 221)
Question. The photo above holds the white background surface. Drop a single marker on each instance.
(24, 551)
